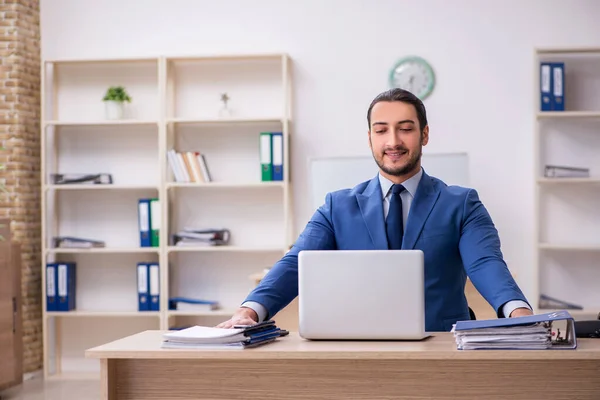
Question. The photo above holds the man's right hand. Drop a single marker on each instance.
(243, 316)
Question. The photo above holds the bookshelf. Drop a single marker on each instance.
(567, 229)
(176, 105)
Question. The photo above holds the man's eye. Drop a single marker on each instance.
(406, 129)
(383, 131)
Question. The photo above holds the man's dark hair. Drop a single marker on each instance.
(405, 96)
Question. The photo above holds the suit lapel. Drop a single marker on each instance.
(421, 207)
(371, 207)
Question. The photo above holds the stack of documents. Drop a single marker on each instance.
(203, 337)
(201, 237)
(535, 332)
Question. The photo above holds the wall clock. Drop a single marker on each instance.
(413, 74)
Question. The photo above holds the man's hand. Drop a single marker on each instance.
(521, 312)
(243, 316)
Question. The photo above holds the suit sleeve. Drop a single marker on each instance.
(280, 286)
(480, 251)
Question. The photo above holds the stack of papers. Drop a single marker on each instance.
(536, 332)
(536, 336)
(204, 337)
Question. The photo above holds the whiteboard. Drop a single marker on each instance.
(328, 174)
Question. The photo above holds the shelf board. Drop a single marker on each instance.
(224, 121)
(227, 57)
(570, 247)
(104, 250)
(568, 114)
(226, 185)
(215, 313)
(101, 122)
(75, 376)
(572, 50)
(88, 186)
(102, 314)
(224, 249)
(562, 181)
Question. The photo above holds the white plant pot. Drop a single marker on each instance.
(114, 109)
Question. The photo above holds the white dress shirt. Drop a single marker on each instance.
(407, 197)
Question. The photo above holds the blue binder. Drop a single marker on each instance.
(51, 296)
(144, 222)
(558, 86)
(143, 287)
(154, 286)
(277, 158)
(502, 326)
(66, 277)
(546, 87)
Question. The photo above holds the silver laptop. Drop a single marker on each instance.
(361, 294)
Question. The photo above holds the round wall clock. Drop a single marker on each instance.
(413, 74)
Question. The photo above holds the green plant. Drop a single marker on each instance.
(117, 93)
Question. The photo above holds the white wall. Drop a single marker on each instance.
(482, 52)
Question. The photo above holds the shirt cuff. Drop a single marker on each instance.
(260, 310)
(512, 305)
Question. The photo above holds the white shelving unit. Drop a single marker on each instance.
(175, 105)
(568, 209)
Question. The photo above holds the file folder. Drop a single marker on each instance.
(277, 150)
(51, 297)
(558, 86)
(144, 222)
(154, 287)
(143, 287)
(534, 332)
(66, 286)
(546, 87)
(265, 156)
(154, 222)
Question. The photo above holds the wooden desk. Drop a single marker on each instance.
(136, 367)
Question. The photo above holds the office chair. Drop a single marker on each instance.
(472, 314)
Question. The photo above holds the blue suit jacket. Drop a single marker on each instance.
(448, 223)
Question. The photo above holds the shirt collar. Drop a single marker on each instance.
(410, 184)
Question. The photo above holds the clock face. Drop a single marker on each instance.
(415, 75)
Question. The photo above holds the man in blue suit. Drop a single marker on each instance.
(402, 208)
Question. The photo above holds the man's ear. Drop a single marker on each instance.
(425, 136)
(369, 138)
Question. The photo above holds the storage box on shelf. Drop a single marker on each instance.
(210, 109)
(568, 178)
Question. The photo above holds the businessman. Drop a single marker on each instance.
(402, 208)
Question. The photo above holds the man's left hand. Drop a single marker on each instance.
(521, 312)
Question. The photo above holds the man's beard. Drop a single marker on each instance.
(400, 170)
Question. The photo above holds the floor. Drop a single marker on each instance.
(38, 389)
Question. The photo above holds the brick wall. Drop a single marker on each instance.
(20, 137)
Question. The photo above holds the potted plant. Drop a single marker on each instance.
(115, 99)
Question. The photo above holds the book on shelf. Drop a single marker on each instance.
(61, 281)
(81, 179)
(149, 222)
(189, 166)
(552, 86)
(238, 337)
(201, 237)
(192, 304)
(72, 242)
(561, 171)
(271, 156)
(148, 286)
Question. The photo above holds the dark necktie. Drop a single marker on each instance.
(393, 222)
